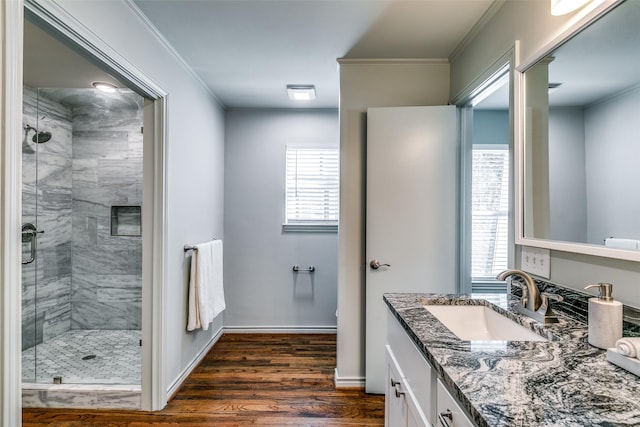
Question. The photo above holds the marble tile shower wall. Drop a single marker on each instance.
(52, 268)
(107, 171)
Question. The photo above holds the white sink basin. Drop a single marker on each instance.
(480, 323)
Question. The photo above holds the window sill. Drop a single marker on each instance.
(310, 228)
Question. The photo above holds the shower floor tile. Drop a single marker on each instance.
(117, 358)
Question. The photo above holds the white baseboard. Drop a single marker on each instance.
(348, 382)
(175, 386)
(280, 329)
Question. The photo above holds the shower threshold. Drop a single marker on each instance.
(90, 396)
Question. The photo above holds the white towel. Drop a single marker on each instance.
(613, 242)
(629, 347)
(206, 291)
(193, 321)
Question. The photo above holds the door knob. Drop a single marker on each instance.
(375, 264)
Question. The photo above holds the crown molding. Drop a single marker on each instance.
(482, 22)
(392, 61)
(172, 50)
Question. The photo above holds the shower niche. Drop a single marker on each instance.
(82, 191)
(125, 221)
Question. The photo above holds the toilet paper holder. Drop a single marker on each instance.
(309, 269)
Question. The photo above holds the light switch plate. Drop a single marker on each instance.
(536, 261)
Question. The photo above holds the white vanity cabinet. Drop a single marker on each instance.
(410, 386)
(414, 396)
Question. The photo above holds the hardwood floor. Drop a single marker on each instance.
(247, 380)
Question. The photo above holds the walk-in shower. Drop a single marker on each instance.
(81, 245)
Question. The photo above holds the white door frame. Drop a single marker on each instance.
(11, 24)
(477, 90)
(55, 19)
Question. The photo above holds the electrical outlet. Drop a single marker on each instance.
(536, 261)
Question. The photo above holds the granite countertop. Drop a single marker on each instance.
(562, 382)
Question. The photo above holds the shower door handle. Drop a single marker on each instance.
(29, 232)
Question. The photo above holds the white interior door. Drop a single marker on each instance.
(411, 214)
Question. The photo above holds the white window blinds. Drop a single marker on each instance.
(490, 207)
(312, 186)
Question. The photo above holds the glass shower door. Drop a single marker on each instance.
(46, 230)
(30, 337)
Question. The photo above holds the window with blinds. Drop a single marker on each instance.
(490, 207)
(312, 199)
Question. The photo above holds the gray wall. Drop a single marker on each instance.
(613, 149)
(50, 314)
(261, 288)
(533, 26)
(567, 175)
(592, 170)
(490, 127)
(107, 171)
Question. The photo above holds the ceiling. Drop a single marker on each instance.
(248, 51)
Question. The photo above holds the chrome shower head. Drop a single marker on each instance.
(38, 137)
(41, 137)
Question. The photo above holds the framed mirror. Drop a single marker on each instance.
(580, 141)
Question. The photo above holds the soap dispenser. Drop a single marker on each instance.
(605, 318)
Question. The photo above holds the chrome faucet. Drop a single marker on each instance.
(530, 294)
(533, 303)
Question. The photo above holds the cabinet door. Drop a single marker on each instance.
(401, 405)
(395, 409)
(420, 377)
(450, 414)
(415, 417)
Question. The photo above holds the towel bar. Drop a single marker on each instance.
(309, 269)
(188, 248)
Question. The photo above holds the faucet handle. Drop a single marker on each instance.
(549, 296)
(525, 291)
(519, 285)
(545, 307)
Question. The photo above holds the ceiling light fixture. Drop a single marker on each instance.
(105, 87)
(562, 7)
(301, 92)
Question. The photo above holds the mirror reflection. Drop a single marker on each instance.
(582, 137)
